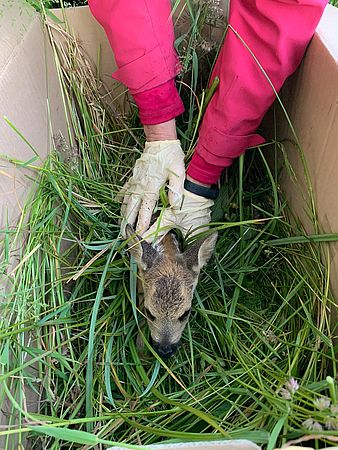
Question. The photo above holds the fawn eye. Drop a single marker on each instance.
(184, 315)
(149, 315)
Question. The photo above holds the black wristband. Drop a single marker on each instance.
(210, 193)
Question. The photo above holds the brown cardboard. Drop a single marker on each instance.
(30, 97)
(236, 444)
(25, 93)
(311, 97)
(31, 101)
(93, 41)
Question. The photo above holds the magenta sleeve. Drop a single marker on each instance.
(159, 104)
(141, 35)
(272, 34)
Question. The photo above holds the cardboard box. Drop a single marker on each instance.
(31, 99)
(28, 98)
(239, 444)
(311, 99)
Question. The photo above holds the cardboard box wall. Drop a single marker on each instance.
(33, 103)
(311, 100)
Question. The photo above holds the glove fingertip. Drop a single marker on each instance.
(153, 234)
(123, 226)
(175, 197)
(143, 224)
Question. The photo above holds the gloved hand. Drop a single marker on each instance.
(194, 211)
(160, 162)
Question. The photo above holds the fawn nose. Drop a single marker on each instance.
(165, 350)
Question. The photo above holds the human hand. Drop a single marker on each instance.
(161, 162)
(188, 215)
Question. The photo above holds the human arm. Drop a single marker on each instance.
(142, 39)
(141, 36)
(263, 46)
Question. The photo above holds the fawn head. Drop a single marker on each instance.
(169, 278)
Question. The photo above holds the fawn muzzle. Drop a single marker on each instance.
(165, 350)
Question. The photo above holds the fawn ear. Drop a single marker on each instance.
(143, 252)
(199, 253)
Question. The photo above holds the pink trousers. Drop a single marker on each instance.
(268, 34)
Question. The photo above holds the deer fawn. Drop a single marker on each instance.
(169, 278)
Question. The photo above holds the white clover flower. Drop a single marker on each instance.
(334, 409)
(322, 403)
(312, 425)
(307, 424)
(331, 423)
(292, 385)
(317, 427)
(284, 393)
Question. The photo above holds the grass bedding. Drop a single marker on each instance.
(257, 360)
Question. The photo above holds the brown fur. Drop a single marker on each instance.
(169, 278)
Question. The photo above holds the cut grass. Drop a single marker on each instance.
(261, 313)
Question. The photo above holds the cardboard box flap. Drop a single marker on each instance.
(28, 98)
(16, 19)
(327, 30)
(236, 444)
(311, 98)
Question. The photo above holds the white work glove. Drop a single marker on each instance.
(160, 162)
(193, 212)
